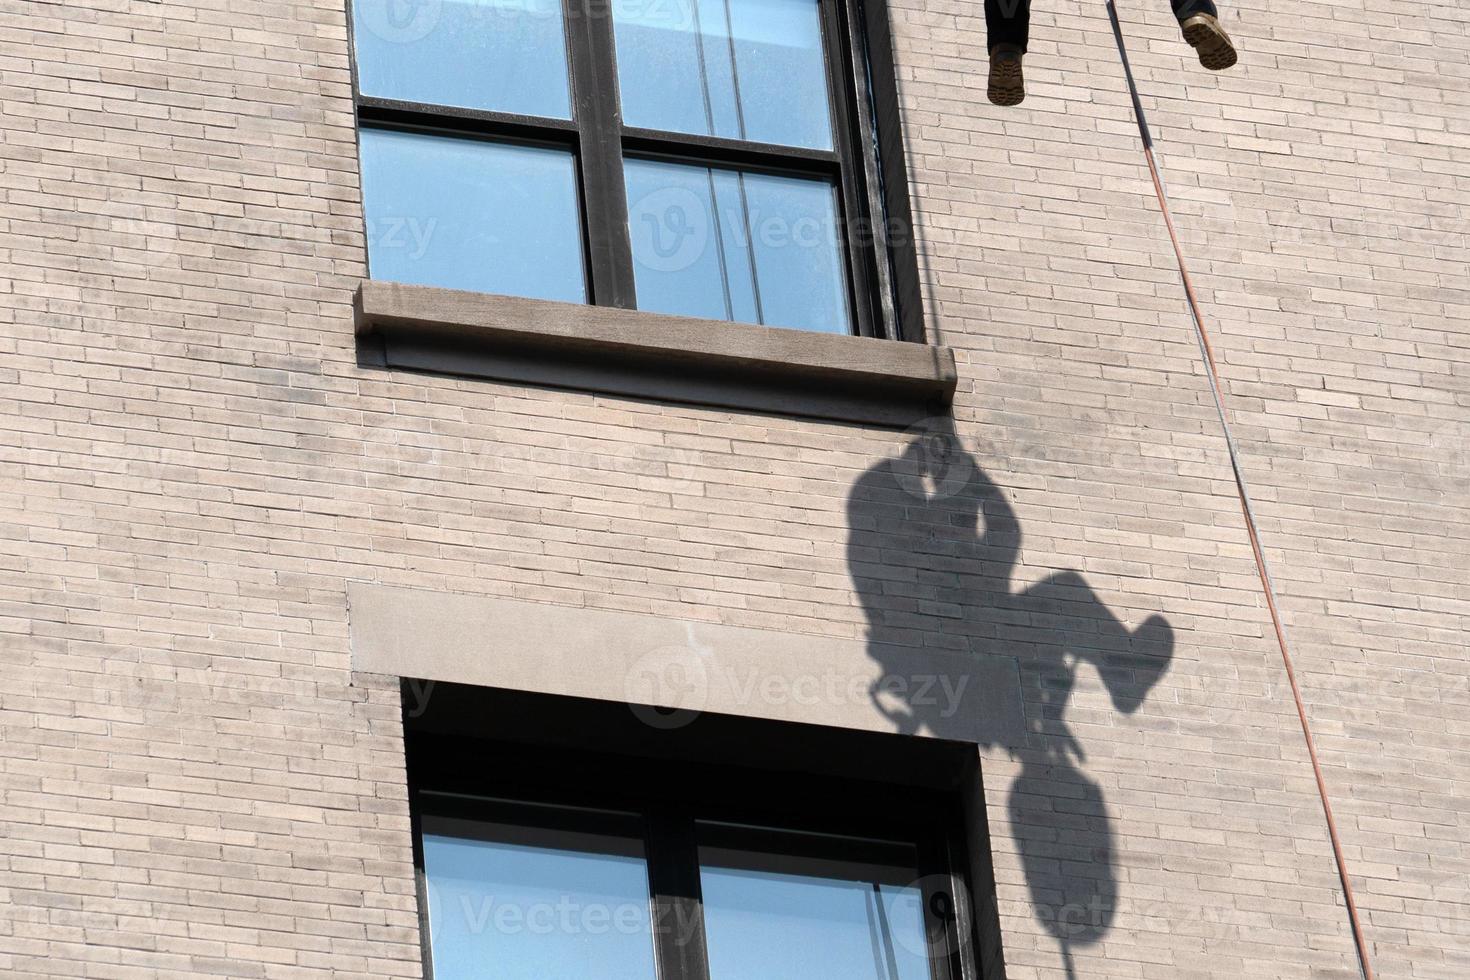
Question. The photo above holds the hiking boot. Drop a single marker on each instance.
(1007, 86)
(1206, 36)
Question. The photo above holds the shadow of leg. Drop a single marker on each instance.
(1070, 619)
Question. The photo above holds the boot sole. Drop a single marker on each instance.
(1209, 40)
(1007, 84)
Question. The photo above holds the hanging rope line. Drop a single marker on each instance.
(1243, 491)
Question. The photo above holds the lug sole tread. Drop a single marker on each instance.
(1007, 84)
(1209, 40)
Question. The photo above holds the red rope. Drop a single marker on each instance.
(1243, 492)
(1251, 530)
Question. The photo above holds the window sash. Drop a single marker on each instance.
(672, 834)
(599, 142)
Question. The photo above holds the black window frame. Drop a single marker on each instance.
(866, 163)
(595, 767)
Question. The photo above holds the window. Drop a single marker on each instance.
(709, 158)
(537, 892)
(601, 848)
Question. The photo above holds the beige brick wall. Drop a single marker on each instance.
(193, 783)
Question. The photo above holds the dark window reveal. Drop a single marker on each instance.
(564, 838)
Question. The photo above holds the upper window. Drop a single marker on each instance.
(710, 158)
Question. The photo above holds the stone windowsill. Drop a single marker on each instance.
(651, 355)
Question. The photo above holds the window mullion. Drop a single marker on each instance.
(729, 152)
(859, 255)
(678, 911)
(872, 45)
(876, 228)
(599, 124)
(486, 122)
(948, 912)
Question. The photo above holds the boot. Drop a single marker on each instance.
(1206, 36)
(1007, 85)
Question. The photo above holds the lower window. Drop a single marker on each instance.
(783, 904)
(534, 892)
(570, 862)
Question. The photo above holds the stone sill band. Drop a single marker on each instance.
(651, 355)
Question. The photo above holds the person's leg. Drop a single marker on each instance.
(1185, 9)
(1008, 26)
(1200, 21)
(1009, 22)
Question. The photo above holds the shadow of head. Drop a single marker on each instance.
(940, 480)
(931, 547)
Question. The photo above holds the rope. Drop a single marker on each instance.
(1243, 490)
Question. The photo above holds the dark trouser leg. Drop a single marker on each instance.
(1009, 21)
(1188, 8)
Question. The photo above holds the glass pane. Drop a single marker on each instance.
(467, 214)
(743, 69)
(508, 55)
(782, 917)
(510, 903)
(735, 245)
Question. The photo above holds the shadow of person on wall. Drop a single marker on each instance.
(932, 549)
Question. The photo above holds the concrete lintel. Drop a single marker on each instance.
(681, 665)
